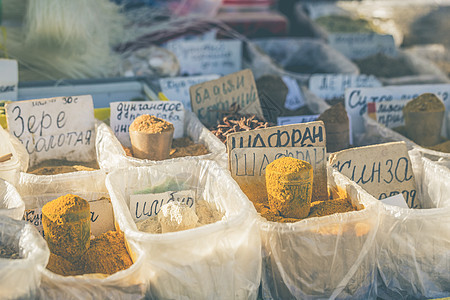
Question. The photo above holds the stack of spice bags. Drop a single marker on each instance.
(326, 256)
(111, 154)
(217, 260)
(414, 244)
(67, 283)
(11, 203)
(23, 257)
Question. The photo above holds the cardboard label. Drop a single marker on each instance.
(177, 88)
(383, 170)
(9, 79)
(396, 200)
(330, 86)
(294, 98)
(124, 113)
(252, 162)
(261, 146)
(362, 45)
(102, 217)
(143, 206)
(209, 100)
(356, 99)
(390, 114)
(54, 128)
(297, 135)
(296, 119)
(207, 57)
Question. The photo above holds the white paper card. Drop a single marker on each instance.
(296, 119)
(361, 45)
(207, 57)
(143, 206)
(329, 86)
(54, 128)
(356, 99)
(294, 98)
(177, 88)
(124, 113)
(390, 114)
(396, 200)
(9, 79)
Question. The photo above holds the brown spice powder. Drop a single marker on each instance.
(186, 147)
(427, 102)
(150, 124)
(60, 166)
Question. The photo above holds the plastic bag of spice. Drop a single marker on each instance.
(127, 283)
(112, 155)
(414, 244)
(13, 157)
(305, 56)
(221, 260)
(331, 256)
(23, 257)
(11, 203)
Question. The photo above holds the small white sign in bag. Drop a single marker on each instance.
(143, 206)
(9, 79)
(207, 57)
(177, 88)
(124, 113)
(54, 128)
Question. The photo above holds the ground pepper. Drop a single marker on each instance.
(8, 252)
(337, 127)
(67, 226)
(60, 166)
(382, 65)
(150, 124)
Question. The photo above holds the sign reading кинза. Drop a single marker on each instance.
(250, 152)
(209, 100)
(383, 170)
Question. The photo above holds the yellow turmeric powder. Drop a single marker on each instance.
(289, 186)
(107, 254)
(67, 226)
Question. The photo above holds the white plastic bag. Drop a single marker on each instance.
(215, 261)
(10, 169)
(20, 278)
(126, 284)
(11, 203)
(414, 244)
(111, 154)
(323, 257)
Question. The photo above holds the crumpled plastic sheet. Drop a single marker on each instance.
(413, 258)
(11, 203)
(328, 257)
(20, 278)
(215, 261)
(111, 154)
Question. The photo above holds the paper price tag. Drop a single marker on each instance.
(330, 86)
(390, 114)
(296, 119)
(9, 79)
(361, 45)
(143, 206)
(383, 170)
(177, 88)
(124, 113)
(210, 99)
(207, 57)
(54, 128)
(356, 99)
